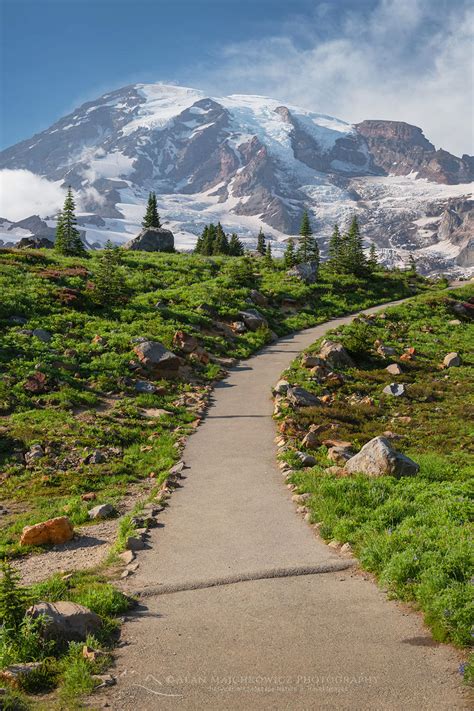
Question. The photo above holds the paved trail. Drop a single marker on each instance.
(325, 640)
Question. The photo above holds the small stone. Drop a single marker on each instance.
(452, 360)
(36, 451)
(300, 498)
(134, 544)
(334, 544)
(13, 674)
(102, 511)
(301, 509)
(394, 369)
(454, 322)
(90, 496)
(65, 620)
(340, 455)
(306, 459)
(281, 387)
(302, 398)
(346, 548)
(395, 389)
(386, 351)
(104, 680)
(95, 457)
(127, 556)
(41, 334)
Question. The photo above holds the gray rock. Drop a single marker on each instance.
(143, 386)
(452, 360)
(386, 351)
(340, 455)
(36, 451)
(394, 369)
(311, 361)
(65, 621)
(101, 511)
(239, 327)
(395, 389)
(302, 398)
(41, 334)
(336, 355)
(281, 387)
(152, 239)
(134, 544)
(127, 557)
(13, 674)
(307, 460)
(35, 243)
(155, 356)
(20, 320)
(253, 319)
(378, 458)
(307, 272)
(95, 457)
(258, 298)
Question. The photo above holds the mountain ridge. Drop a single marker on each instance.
(249, 161)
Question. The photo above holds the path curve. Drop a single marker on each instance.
(327, 639)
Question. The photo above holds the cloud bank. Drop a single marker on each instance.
(408, 60)
(23, 193)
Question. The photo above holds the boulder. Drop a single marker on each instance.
(36, 451)
(56, 530)
(340, 455)
(307, 272)
(253, 319)
(258, 298)
(312, 438)
(65, 621)
(154, 356)
(185, 342)
(143, 386)
(281, 388)
(309, 360)
(377, 458)
(134, 544)
(41, 334)
(336, 355)
(95, 457)
(452, 360)
(302, 398)
(307, 460)
(101, 511)
(394, 369)
(395, 389)
(386, 351)
(14, 674)
(238, 327)
(152, 239)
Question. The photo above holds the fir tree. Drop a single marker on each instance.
(13, 599)
(268, 255)
(289, 258)
(209, 237)
(308, 250)
(261, 243)
(68, 238)
(354, 257)
(236, 248)
(109, 281)
(221, 243)
(372, 261)
(152, 218)
(412, 265)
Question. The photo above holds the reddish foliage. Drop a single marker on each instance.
(36, 383)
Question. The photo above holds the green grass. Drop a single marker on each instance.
(414, 534)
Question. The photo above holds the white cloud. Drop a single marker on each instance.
(407, 60)
(23, 193)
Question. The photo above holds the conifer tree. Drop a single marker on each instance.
(289, 258)
(236, 248)
(109, 280)
(221, 243)
(261, 243)
(152, 218)
(412, 265)
(209, 237)
(308, 250)
(68, 237)
(372, 261)
(268, 255)
(354, 257)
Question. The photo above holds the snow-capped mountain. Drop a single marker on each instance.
(250, 161)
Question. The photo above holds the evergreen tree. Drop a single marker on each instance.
(289, 258)
(13, 599)
(152, 218)
(221, 243)
(209, 237)
(412, 265)
(261, 243)
(236, 248)
(68, 238)
(268, 255)
(308, 250)
(109, 281)
(335, 250)
(353, 253)
(372, 261)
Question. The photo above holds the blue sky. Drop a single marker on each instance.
(400, 59)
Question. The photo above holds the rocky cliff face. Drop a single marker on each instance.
(397, 148)
(247, 161)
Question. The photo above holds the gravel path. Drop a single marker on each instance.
(225, 623)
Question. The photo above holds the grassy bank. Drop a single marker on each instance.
(414, 534)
